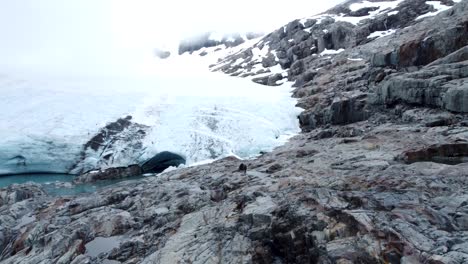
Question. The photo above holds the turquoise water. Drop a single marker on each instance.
(58, 184)
(37, 178)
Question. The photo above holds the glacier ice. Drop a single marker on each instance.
(46, 119)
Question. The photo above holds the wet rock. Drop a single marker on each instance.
(110, 174)
(18, 193)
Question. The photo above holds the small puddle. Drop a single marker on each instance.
(101, 245)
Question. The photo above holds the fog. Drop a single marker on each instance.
(116, 35)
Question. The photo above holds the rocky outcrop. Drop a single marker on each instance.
(109, 174)
(330, 55)
(447, 153)
(343, 199)
(441, 86)
(15, 193)
(112, 146)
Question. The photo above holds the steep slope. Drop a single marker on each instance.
(338, 58)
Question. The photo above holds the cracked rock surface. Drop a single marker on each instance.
(332, 200)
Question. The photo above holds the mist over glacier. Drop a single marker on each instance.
(69, 68)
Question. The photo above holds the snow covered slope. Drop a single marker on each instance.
(58, 123)
(275, 58)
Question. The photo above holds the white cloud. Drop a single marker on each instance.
(115, 32)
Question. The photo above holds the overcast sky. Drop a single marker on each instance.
(62, 32)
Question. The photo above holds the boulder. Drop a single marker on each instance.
(456, 98)
(349, 110)
(274, 79)
(162, 161)
(269, 61)
(338, 36)
(362, 12)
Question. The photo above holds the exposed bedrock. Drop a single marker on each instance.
(442, 86)
(337, 199)
(422, 63)
(446, 153)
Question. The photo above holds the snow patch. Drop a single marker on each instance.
(355, 59)
(437, 5)
(239, 61)
(331, 52)
(380, 34)
(383, 7)
(259, 54)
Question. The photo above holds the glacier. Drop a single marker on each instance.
(47, 118)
